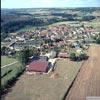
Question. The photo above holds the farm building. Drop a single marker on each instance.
(38, 66)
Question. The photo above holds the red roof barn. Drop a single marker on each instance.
(38, 66)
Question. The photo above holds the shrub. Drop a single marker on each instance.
(73, 56)
(83, 56)
(98, 40)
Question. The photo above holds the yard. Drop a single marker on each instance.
(52, 86)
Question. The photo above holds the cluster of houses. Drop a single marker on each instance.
(58, 36)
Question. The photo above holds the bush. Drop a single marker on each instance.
(73, 56)
(83, 56)
(98, 40)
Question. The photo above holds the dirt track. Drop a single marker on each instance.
(88, 81)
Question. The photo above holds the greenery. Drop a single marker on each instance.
(26, 53)
(83, 56)
(98, 40)
(80, 57)
(7, 60)
(14, 20)
(7, 72)
(9, 75)
(72, 56)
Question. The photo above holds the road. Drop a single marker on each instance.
(87, 82)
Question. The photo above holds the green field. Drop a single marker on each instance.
(6, 60)
(14, 70)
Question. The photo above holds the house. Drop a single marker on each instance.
(38, 66)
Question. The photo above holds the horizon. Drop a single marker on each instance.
(14, 4)
(52, 8)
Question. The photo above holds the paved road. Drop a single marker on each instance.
(88, 81)
(9, 64)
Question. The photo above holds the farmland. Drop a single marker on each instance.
(6, 60)
(88, 80)
(66, 35)
(9, 68)
(14, 69)
(46, 87)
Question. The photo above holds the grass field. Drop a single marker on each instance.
(14, 69)
(6, 60)
(94, 23)
(45, 87)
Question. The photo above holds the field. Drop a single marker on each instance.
(6, 60)
(13, 68)
(88, 81)
(95, 23)
(52, 86)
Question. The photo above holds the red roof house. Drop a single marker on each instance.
(38, 66)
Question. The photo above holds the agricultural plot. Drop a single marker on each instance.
(52, 86)
(88, 81)
(8, 68)
(9, 72)
(6, 60)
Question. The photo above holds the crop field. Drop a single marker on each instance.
(88, 81)
(13, 71)
(8, 71)
(52, 86)
(6, 60)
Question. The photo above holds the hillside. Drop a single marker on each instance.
(16, 19)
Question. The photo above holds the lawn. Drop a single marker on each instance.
(6, 60)
(45, 87)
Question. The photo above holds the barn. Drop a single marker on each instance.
(38, 66)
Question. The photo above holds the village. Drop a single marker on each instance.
(52, 42)
(57, 53)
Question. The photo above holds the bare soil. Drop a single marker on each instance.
(87, 82)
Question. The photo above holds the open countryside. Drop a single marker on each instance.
(35, 87)
(88, 81)
(50, 53)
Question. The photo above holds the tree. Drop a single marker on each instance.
(98, 40)
(24, 55)
(73, 56)
(83, 56)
